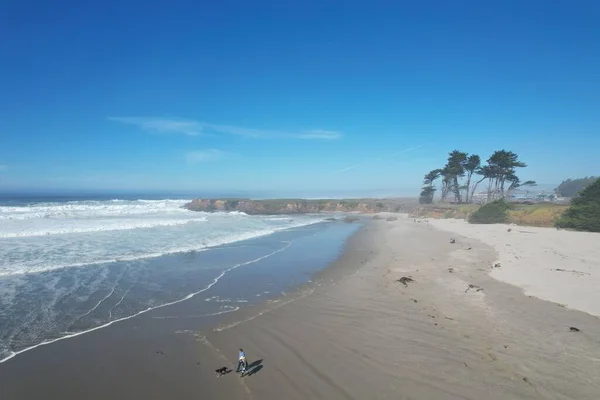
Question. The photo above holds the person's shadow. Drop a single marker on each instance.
(254, 367)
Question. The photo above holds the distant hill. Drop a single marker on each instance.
(584, 213)
(570, 187)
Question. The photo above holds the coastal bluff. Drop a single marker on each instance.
(301, 206)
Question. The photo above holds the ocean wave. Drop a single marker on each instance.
(92, 208)
(117, 225)
(200, 243)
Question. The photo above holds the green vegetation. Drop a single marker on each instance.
(500, 172)
(495, 212)
(584, 213)
(540, 214)
(570, 187)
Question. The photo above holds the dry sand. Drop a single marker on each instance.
(555, 265)
(361, 335)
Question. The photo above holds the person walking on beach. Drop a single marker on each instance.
(242, 361)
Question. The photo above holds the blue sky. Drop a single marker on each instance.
(292, 96)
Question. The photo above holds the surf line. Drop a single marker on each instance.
(212, 247)
(294, 298)
(189, 296)
(234, 309)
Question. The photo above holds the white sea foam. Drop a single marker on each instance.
(85, 227)
(189, 296)
(47, 236)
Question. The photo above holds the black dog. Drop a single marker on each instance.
(222, 371)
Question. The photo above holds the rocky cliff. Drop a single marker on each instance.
(299, 206)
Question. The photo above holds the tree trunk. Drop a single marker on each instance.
(445, 188)
(456, 190)
(475, 187)
(468, 186)
(491, 183)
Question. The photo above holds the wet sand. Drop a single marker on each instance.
(353, 333)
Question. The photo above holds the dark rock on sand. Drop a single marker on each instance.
(405, 280)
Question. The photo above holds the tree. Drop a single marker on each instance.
(515, 183)
(428, 190)
(486, 173)
(584, 212)
(426, 196)
(473, 164)
(455, 168)
(570, 187)
(446, 182)
(503, 164)
(499, 171)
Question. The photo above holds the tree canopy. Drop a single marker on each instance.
(457, 176)
(584, 212)
(570, 187)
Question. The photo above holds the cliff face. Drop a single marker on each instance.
(294, 206)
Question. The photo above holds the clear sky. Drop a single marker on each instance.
(292, 96)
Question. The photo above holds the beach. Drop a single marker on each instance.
(456, 329)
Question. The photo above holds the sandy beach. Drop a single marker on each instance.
(554, 265)
(452, 331)
(366, 336)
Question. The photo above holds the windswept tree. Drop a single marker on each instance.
(486, 172)
(503, 163)
(516, 183)
(472, 165)
(455, 168)
(499, 171)
(428, 189)
(446, 182)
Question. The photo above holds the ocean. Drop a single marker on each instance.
(71, 265)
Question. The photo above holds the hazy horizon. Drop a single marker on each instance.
(108, 194)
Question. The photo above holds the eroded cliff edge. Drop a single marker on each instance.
(301, 206)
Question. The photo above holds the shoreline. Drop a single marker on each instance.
(106, 325)
(454, 332)
(362, 241)
(175, 329)
(170, 257)
(350, 332)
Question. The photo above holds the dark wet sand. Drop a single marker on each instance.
(146, 357)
